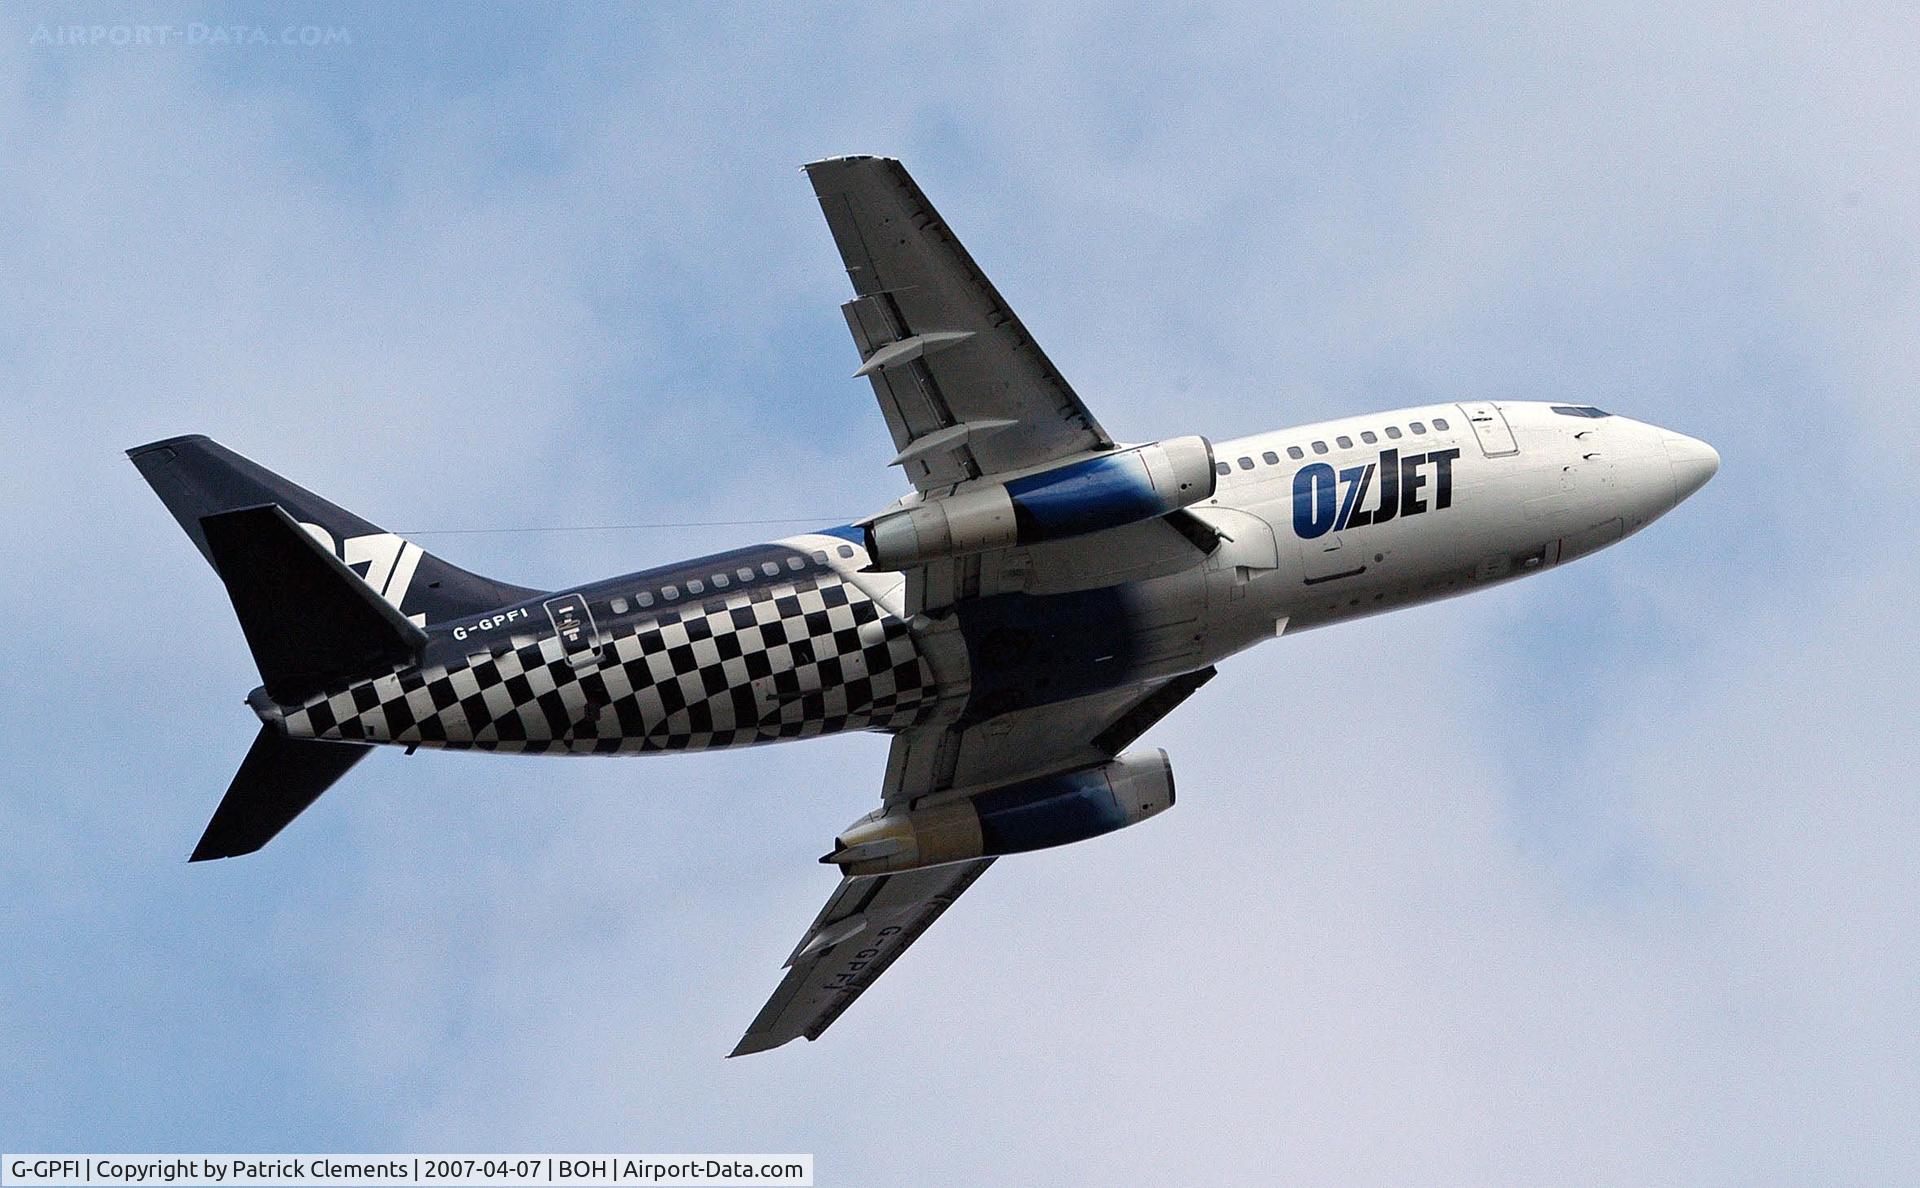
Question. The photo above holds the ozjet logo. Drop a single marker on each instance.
(1326, 500)
(390, 562)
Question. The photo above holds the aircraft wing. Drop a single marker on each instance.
(871, 919)
(867, 924)
(965, 390)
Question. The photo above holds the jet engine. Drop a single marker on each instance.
(1096, 493)
(1030, 815)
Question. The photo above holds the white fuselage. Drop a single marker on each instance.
(1528, 488)
(803, 636)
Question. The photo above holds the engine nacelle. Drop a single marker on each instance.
(1122, 487)
(1031, 815)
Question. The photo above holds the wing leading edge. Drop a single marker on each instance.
(965, 389)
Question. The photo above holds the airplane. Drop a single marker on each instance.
(1042, 597)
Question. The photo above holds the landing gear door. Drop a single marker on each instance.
(1490, 426)
(573, 623)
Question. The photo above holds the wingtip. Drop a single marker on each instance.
(750, 1043)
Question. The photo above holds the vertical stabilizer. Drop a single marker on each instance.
(197, 477)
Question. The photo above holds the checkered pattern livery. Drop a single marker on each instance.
(790, 661)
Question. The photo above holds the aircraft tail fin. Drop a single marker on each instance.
(312, 622)
(197, 477)
(278, 779)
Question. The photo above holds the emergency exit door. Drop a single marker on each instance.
(573, 623)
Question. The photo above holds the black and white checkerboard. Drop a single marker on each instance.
(787, 661)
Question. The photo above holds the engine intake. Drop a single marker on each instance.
(1031, 815)
(1093, 494)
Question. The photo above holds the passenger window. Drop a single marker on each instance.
(1417, 427)
(1246, 463)
(819, 556)
(745, 573)
(846, 550)
(1369, 436)
(619, 606)
(772, 568)
(696, 586)
(1440, 423)
(1393, 432)
(644, 598)
(1346, 443)
(720, 581)
(1222, 468)
(1296, 452)
(669, 592)
(1270, 458)
(1319, 447)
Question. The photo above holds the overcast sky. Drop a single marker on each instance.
(1606, 876)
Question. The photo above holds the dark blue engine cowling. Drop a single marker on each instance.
(1074, 499)
(1048, 812)
(1030, 815)
(1077, 805)
(1084, 497)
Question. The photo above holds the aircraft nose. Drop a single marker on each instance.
(1693, 462)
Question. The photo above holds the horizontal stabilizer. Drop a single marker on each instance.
(311, 622)
(279, 777)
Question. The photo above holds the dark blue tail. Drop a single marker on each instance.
(197, 477)
(323, 596)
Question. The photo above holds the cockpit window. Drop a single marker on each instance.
(1580, 410)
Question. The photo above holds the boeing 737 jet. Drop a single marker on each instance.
(1041, 598)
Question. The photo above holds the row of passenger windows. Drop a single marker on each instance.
(723, 580)
(1367, 437)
